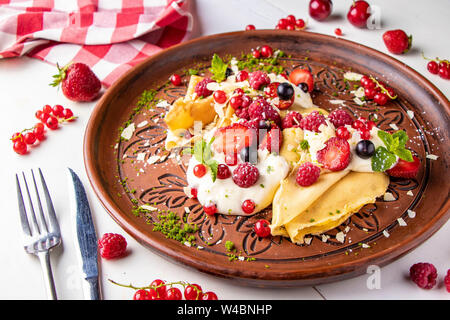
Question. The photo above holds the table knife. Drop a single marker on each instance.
(86, 237)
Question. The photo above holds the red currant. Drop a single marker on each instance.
(364, 81)
(380, 98)
(29, 138)
(47, 109)
(358, 14)
(369, 93)
(246, 101)
(193, 292)
(52, 123)
(141, 294)
(160, 290)
(250, 27)
(266, 51)
(173, 294)
(238, 91)
(17, 137)
(236, 101)
(242, 76)
(370, 84)
(342, 132)
(248, 206)
(357, 124)
(391, 92)
(370, 124)
(433, 67)
(300, 24)
(57, 110)
(175, 79)
(290, 27)
(199, 170)
(320, 9)
(223, 172)
(210, 209)
(365, 134)
(220, 96)
(153, 295)
(256, 54)
(38, 114)
(282, 23)
(67, 113)
(444, 72)
(20, 147)
(338, 31)
(44, 117)
(262, 228)
(209, 295)
(194, 193)
(39, 131)
(290, 19)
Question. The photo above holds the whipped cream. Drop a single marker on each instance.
(227, 196)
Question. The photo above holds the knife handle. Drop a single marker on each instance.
(94, 288)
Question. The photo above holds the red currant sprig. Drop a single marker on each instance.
(290, 23)
(49, 117)
(438, 66)
(161, 290)
(377, 91)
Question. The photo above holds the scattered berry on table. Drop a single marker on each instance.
(112, 245)
(423, 274)
(78, 82)
(397, 41)
(447, 281)
(358, 14)
(338, 31)
(307, 174)
(320, 9)
(250, 27)
(245, 175)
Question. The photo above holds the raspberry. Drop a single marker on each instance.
(312, 121)
(262, 110)
(245, 175)
(258, 79)
(112, 245)
(447, 280)
(242, 113)
(423, 274)
(291, 120)
(307, 174)
(201, 90)
(340, 118)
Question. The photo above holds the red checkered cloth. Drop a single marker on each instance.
(110, 36)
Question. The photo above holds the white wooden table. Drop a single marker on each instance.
(24, 89)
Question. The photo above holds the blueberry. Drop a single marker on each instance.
(365, 149)
(303, 86)
(228, 72)
(285, 91)
(264, 124)
(249, 154)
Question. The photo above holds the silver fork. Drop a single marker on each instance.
(41, 233)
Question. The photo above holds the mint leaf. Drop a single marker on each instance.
(218, 68)
(386, 138)
(198, 151)
(213, 165)
(402, 138)
(404, 154)
(382, 160)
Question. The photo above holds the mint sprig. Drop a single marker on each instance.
(218, 68)
(202, 153)
(385, 157)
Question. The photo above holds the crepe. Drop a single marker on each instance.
(334, 204)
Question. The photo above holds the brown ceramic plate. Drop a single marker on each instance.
(373, 236)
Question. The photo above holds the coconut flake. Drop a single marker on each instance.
(388, 197)
(187, 210)
(127, 133)
(152, 159)
(140, 156)
(401, 222)
(393, 126)
(432, 157)
(143, 123)
(352, 76)
(149, 208)
(410, 114)
(409, 193)
(411, 214)
(340, 236)
(358, 101)
(308, 241)
(365, 245)
(386, 234)
(163, 104)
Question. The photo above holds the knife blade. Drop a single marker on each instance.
(86, 236)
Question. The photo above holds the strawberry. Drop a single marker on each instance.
(233, 138)
(336, 154)
(397, 41)
(78, 82)
(272, 140)
(299, 75)
(405, 169)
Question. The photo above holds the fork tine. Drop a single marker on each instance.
(41, 212)
(53, 221)
(22, 212)
(34, 224)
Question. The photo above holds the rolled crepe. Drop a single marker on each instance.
(337, 204)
